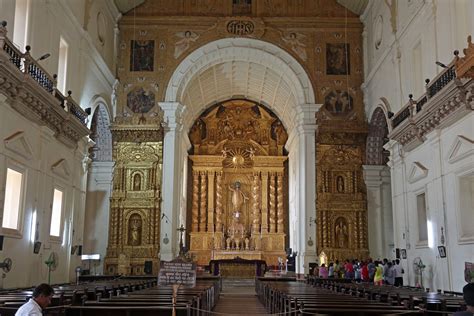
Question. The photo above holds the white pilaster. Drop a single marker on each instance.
(302, 169)
(170, 182)
(379, 207)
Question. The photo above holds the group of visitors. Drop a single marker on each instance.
(377, 272)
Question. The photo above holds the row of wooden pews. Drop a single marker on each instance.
(121, 297)
(297, 298)
(411, 297)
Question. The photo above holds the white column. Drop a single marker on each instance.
(98, 208)
(170, 182)
(302, 169)
(379, 210)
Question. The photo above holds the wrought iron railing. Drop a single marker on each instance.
(432, 88)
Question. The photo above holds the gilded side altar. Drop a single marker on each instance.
(239, 185)
(134, 234)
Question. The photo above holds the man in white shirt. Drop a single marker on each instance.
(398, 273)
(41, 299)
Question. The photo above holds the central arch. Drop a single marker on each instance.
(249, 69)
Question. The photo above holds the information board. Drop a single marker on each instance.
(177, 272)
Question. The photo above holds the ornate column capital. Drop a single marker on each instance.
(172, 114)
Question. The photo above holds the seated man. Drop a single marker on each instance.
(468, 292)
(41, 299)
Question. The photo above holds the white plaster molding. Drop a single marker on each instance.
(18, 144)
(247, 50)
(61, 168)
(417, 172)
(461, 148)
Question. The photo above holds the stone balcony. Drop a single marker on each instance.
(31, 91)
(449, 97)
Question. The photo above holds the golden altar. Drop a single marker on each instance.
(239, 185)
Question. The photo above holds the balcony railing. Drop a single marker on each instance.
(446, 100)
(31, 68)
(432, 88)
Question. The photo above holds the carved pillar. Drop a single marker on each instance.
(202, 208)
(280, 204)
(272, 203)
(264, 228)
(210, 201)
(195, 206)
(256, 204)
(219, 202)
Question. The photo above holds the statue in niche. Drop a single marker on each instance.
(137, 182)
(135, 230)
(238, 198)
(342, 236)
(340, 184)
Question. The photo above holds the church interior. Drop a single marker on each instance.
(134, 132)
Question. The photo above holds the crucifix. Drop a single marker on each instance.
(181, 239)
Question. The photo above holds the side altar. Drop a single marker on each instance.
(239, 185)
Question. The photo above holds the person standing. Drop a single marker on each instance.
(398, 273)
(42, 296)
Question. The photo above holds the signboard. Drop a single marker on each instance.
(177, 272)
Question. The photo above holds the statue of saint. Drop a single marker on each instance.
(137, 182)
(340, 184)
(135, 231)
(238, 198)
(341, 235)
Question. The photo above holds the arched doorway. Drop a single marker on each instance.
(238, 184)
(258, 71)
(378, 181)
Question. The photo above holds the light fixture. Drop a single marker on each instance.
(43, 57)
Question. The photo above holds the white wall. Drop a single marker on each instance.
(43, 151)
(438, 27)
(90, 76)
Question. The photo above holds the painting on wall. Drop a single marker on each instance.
(337, 59)
(338, 102)
(140, 101)
(142, 55)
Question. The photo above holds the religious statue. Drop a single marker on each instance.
(340, 184)
(238, 198)
(135, 230)
(341, 234)
(137, 182)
